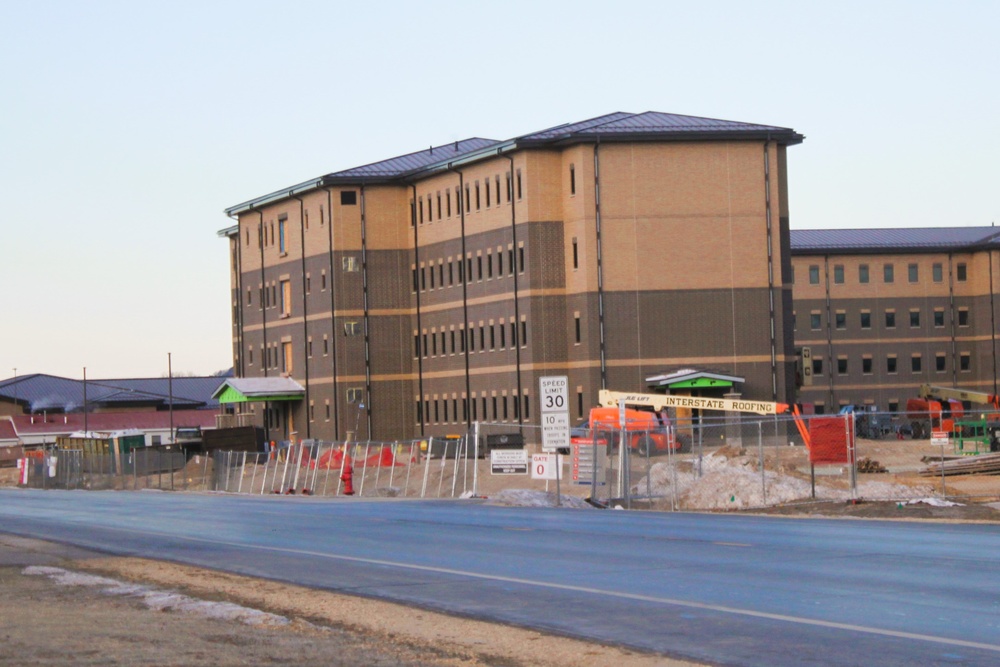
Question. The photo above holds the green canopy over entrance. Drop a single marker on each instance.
(259, 390)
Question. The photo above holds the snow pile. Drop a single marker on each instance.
(530, 498)
(160, 600)
(731, 480)
(935, 502)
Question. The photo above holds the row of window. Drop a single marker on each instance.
(266, 232)
(865, 318)
(888, 273)
(268, 296)
(457, 410)
(491, 337)
(447, 273)
(352, 394)
(350, 328)
(892, 364)
(475, 193)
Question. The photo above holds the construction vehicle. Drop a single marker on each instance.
(938, 408)
(952, 409)
(643, 410)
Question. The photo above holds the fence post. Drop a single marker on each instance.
(760, 449)
(475, 460)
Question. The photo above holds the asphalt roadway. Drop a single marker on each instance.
(723, 589)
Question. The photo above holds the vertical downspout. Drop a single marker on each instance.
(600, 263)
(305, 312)
(954, 343)
(829, 328)
(240, 352)
(465, 295)
(993, 325)
(364, 286)
(416, 290)
(770, 276)
(263, 318)
(517, 304)
(333, 317)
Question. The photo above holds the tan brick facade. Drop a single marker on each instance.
(435, 296)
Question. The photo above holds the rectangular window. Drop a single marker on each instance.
(441, 275)
(452, 341)
(915, 363)
(355, 394)
(890, 364)
(840, 319)
(814, 274)
(519, 184)
(350, 264)
(890, 319)
(281, 237)
(497, 181)
(447, 202)
(914, 319)
(461, 340)
(477, 196)
(961, 273)
(939, 317)
(572, 180)
(866, 319)
(866, 365)
(815, 321)
(286, 358)
(963, 317)
(507, 176)
(500, 263)
(432, 277)
(348, 198)
(482, 338)
(937, 272)
(939, 362)
(286, 298)
(423, 278)
(964, 361)
(524, 333)
(479, 267)
(489, 265)
(503, 336)
(913, 273)
(421, 209)
(434, 344)
(888, 273)
(817, 366)
(577, 325)
(520, 259)
(468, 200)
(439, 205)
(493, 337)
(352, 328)
(576, 255)
(326, 345)
(487, 184)
(513, 334)
(863, 274)
(838, 274)
(249, 297)
(527, 407)
(472, 338)
(322, 280)
(426, 347)
(841, 365)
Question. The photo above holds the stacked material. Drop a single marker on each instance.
(984, 464)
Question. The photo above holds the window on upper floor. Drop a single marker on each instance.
(888, 273)
(961, 273)
(348, 198)
(281, 237)
(863, 274)
(814, 274)
(866, 319)
(838, 274)
(939, 317)
(572, 179)
(937, 272)
(963, 317)
(913, 273)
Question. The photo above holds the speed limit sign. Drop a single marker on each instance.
(554, 391)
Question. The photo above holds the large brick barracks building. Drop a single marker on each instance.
(412, 296)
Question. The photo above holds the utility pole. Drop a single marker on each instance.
(170, 390)
(85, 429)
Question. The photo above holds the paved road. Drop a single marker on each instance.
(724, 589)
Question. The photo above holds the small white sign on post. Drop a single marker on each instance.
(545, 466)
(554, 392)
(939, 438)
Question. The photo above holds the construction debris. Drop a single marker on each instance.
(870, 465)
(984, 464)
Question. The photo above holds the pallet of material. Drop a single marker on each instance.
(984, 464)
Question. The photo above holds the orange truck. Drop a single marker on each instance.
(937, 408)
(647, 432)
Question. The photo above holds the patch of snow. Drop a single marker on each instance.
(532, 498)
(936, 502)
(159, 600)
(735, 482)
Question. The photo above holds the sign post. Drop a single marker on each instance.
(554, 394)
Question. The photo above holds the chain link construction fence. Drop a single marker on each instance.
(709, 463)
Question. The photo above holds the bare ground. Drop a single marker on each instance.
(43, 623)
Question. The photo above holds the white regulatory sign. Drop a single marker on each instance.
(554, 392)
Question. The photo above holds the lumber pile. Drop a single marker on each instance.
(984, 464)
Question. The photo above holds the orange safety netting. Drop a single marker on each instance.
(384, 457)
(832, 439)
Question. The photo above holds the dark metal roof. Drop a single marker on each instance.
(896, 240)
(618, 126)
(405, 164)
(40, 392)
(662, 126)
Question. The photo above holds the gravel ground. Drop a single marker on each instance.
(43, 622)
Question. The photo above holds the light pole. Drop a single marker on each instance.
(15, 391)
(86, 430)
(170, 390)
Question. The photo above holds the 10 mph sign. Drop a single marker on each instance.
(554, 391)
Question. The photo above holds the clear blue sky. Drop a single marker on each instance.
(127, 127)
